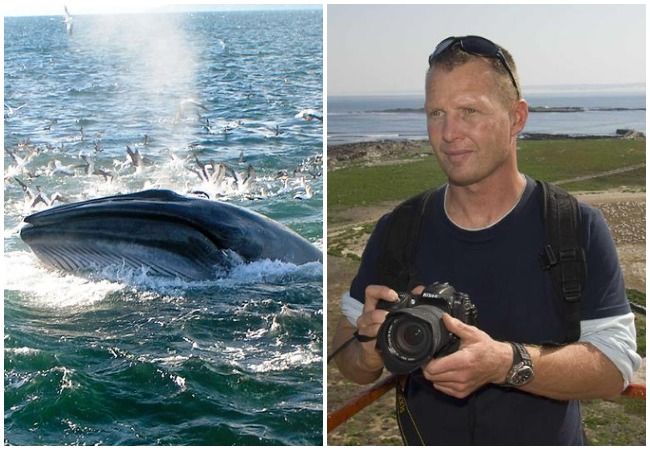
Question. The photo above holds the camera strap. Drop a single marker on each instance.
(363, 337)
(405, 420)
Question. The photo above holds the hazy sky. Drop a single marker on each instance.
(384, 48)
(78, 7)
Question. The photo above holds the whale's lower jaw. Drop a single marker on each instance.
(185, 254)
(166, 235)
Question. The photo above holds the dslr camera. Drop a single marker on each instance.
(414, 333)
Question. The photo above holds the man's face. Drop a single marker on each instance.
(470, 128)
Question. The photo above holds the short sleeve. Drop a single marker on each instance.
(604, 294)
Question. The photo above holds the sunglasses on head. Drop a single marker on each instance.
(474, 45)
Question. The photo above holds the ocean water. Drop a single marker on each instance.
(121, 357)
(369, 118)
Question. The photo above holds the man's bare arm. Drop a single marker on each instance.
(351, 361)
(576, 371)
(360, 361)
(573, 372)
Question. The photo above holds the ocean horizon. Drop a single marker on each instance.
(578, 89)
(595, 110)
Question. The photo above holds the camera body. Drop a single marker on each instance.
(414, 333)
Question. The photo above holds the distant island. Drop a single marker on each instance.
(572, 109)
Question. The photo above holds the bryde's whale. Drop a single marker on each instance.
(167, 233)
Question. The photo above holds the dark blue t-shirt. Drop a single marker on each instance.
(499, 268)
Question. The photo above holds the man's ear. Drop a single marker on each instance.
(519, 116)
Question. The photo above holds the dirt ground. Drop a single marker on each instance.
(625, 214)
(608, 422)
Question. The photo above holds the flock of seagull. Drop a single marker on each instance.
(34, 165)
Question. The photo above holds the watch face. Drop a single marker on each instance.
(522, 376)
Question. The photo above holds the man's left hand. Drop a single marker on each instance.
(478, 361)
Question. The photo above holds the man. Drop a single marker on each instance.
(482, 232)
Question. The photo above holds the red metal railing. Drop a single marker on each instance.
(370, 395)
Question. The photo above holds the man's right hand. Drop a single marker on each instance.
(370, 321)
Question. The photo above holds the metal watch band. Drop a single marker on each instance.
(522, 353)
(521, 371)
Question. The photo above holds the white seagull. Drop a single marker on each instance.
(68, 21)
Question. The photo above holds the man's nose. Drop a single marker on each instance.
(451, 128)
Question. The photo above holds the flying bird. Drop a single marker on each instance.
(68, 21)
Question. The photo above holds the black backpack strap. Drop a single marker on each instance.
(396, 263)
(563, 256)
(396, 269)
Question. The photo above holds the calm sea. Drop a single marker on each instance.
(131, 359)
(369, 118)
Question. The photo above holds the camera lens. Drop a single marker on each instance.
(412, 337)
(409, 338)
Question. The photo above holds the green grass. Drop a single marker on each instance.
(550, 160)
(338, 246)
(634, 180)
(561, 159)
(635, 296)
(362, 186)
(617, 422)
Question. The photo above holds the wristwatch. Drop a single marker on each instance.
(521, 371)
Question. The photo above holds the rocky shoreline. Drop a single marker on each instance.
(339, 155)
